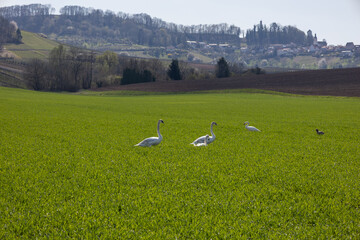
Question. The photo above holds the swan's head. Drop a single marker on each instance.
(161, 121)
(246, 122)
(214, 123)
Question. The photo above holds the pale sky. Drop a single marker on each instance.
(337, 21)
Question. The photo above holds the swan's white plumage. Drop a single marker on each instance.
(202, 138)
(152, 141)
(250, 128)
(205, 143)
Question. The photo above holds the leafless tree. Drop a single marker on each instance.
(35, 74)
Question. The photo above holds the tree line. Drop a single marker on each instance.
(144, 19)
(98, 25)
(72, 69)
(262, 35)
(94, 23)
(26, 10)
(65, 70)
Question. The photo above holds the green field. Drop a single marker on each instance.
(68, 167)
(33, 46)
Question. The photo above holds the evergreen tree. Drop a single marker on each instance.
(131, 75)
(174, 70)
(222, 68)
(18, 37)
(261, 35)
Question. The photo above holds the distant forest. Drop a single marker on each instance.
(95, 25)
(261, 35)
(115, 27)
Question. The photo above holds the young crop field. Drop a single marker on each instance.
(69, 168)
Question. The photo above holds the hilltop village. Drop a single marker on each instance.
(318, 49)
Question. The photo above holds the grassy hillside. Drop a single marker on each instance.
(69, 168)
(34, 46)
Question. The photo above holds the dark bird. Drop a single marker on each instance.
(319, 132)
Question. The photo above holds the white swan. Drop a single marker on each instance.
(205, 143)
(202, 138)
(250, 128)
(152, 141)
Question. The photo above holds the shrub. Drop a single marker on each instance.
(132, 75)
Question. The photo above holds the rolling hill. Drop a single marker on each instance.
(337, 82)
(11, 69)
(34, 46)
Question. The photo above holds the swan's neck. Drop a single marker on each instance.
(211, 130)
(158, 130)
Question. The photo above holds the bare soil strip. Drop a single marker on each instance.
(334, 82)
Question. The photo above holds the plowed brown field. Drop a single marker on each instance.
(334, 82)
